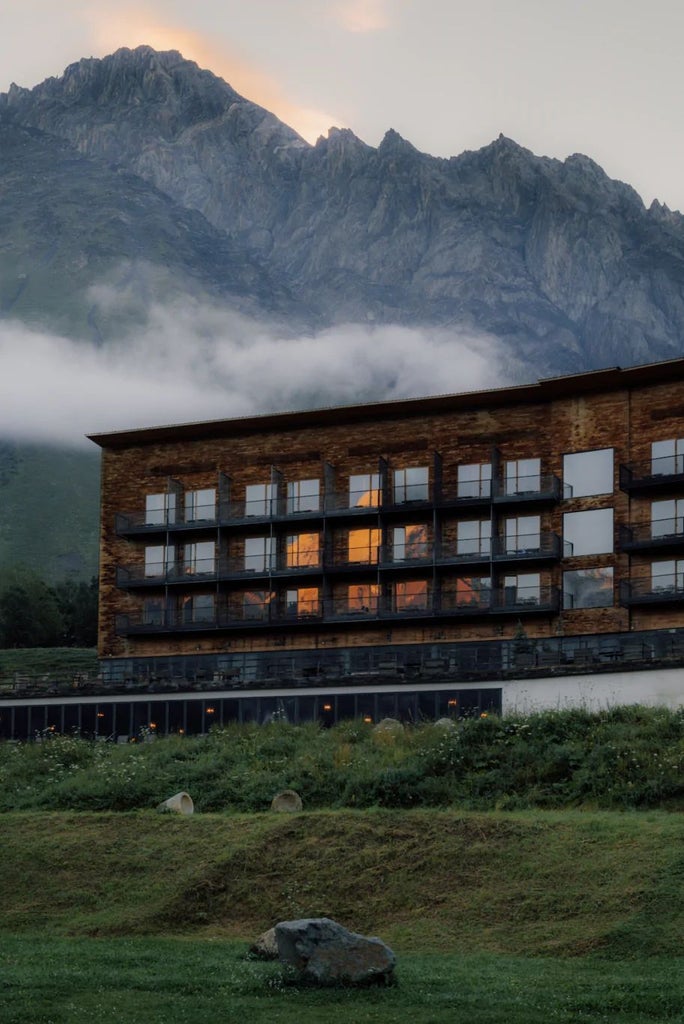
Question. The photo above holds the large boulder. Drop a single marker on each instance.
(326, 953)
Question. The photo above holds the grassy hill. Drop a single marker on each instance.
(560, 884)
(49, 510)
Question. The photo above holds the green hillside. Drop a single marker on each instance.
(49, 510)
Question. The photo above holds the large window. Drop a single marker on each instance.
(667, 457)
(588, 533)
(260, 499)
(256, 604)
(522, 476)
(522, 589)
(364, 490)
(198, 608)
(475, 480)
(363, 546)
(303, 495)
(411, 484)
(473, 537)
(153, 611)
(260, 554)
(410, 542)
(667, 517)
(586, 473)
(304, 601)
(473, 591)
(588, 588)
(522, 534)
(411, 595)
(303, 549)
(667, 577)
(200, 505)
(160, 509)
(362, 598)
(159, 559)
(199, 558)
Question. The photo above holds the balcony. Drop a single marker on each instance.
(656, 590)
(537, 547)
(533, 490)
(135, 524)
(509, 601)
(663, 474)
(662, 534)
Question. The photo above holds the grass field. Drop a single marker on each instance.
(518, 918)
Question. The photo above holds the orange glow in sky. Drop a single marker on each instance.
(133, 26)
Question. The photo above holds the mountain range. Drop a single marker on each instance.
(145, 175)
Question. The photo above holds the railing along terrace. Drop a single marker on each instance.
(453, 662)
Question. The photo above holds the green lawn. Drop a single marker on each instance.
(66, 981)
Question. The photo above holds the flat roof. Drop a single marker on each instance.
(544, 390)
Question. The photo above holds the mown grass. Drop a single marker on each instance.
(553, 884)
(165, 981)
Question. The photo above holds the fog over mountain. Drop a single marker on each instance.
(171, 251)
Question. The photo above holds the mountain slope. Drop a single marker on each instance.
(562, 263)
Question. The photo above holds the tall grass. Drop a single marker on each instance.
(624, 758)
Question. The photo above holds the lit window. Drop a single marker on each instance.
(199, 559)
(522, 589)
(522, 534)
(411, 484)
(667, 577)
(588, 473)
(200, 505)
(411, 595)
(362, 598)
(260, 499)
(522, 476)
(588, 533)
(260, 554)
(475, 480)
(667, 457)
(303, 549)
(303, 496)
(159, 559)
(256, 604)
(303, 601)
(364, 490)
(473, 590)
(363, 546)
(474, 537)
(667, 517)
(198, 608)
(160, 509)
(588, 588)
(410, 542)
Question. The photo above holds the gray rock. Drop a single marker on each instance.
(326, 953)
(265, 947)
(286, 802)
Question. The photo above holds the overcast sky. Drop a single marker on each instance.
(601, 77)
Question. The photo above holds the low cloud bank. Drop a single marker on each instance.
(196, 363)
